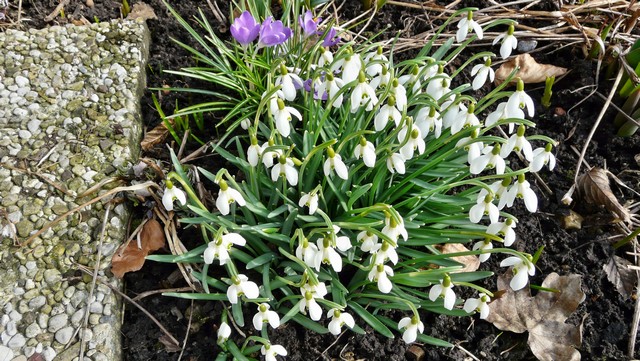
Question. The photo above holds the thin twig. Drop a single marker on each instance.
(155, 292)
(186, 336)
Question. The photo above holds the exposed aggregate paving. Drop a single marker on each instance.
(69, 118)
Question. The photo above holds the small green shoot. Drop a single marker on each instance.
(126, 9)
(546, 97)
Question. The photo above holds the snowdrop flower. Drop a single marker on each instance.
(289, 82)
(242, 286)
(428, 120)
(282, 116)
(172, 193)
(522, 189)
(471, 145)
(452, 112)
(412, 78)
(306, 251)
(398, 91)
(395, 163)
(394, 228)
(327, 254)
(505, 230)
(520, 100)
(224, 331)
(308, 24)
(285, 168)
(491, 159)
(444, 290)
(482, 208)
(411, 325)
(220, 247)
(383, 252)
(338, 319)
(309, 295)
(414, 141)
(375, 61)
(521, 270)
(483, 245)
(387, 113)
(380, 273)
(245, 29)
(363, 95)
(271, 351)
(351, 65)
(268, 156)
(332, 85)
(498, 189)
(542, 157)
(501, 113)
(439, 85)
(325, 58)
(518, 142)
(310, 200)
(381, 80)
(227, 196)
(479, 304)
(265, 315)
(245, 123)
(465, 118)
(509, 42)
(481, 73)
(334, 162)
(366, 151)
(466, 25)
(369, 241)
(254, 151)
(273, 33)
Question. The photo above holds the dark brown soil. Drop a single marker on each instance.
(606, 314)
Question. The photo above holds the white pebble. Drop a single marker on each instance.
(33, 125)
(22, 81)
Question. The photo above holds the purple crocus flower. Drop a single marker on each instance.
(308, 23)
(331, 38)
(245, 29)
(273, 33)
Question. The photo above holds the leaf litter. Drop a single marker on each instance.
(543, 315)
(130, 256)
(593, 188)
(530, 70)
(619, 273)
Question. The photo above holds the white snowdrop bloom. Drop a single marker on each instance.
(504, 230)
(285, 168)
(369, 241)
(242, 286)
(289, 82)
(308, 302)
(498, 190)
(265, 315)
(363, 95)
(350, 66)
(273, 101)
(334, 162)
(245, 123)
(394, 228)
(482, 208)
(491, 159)
(521, 271)
(387, 113)
(325, 58)
(254, 152)
(374, 62)
(509, 42)
(481, 72)
(331, 86)
(466, 118)
(439, 86)
(400, 93)
(383, 252)
(310, 200)
(479, 304)
(412, 79)
(327, 254)
(411, 326)
(306, 251)
(268, 156)
(471, 145)
(381, 80)
(517, 142)
(343, 243)
(283, 118)
(414, 141)
(520, 100)
(445, 290)
(271, 351)
(219, 248)
(395, 163)
(522, 189)
(380, 273)
(451, 111)
(501, 113)
(542, 157)
(339, 319)
(482, 245)
(429, 120)
(226, 196)
(467, 25)
(366, 151)
(224, 331)
(172, 193)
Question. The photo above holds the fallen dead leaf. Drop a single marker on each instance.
(131, 258)
(530, 70)
(593, 188)
(542, 316)
(155, 136)
(471, 262)
(142, 11)
(619, 273)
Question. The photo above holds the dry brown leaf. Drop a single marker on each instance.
(593, 188)
(543, 315)
(471, 262)
(530, 70)
(619, 273)
(155, 136)
(142, 11)
(169, 344)
(131, 258)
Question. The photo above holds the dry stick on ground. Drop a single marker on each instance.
(186, 336)
(155, 292)
(56, 11)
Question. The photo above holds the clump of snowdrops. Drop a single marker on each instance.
(356, 169)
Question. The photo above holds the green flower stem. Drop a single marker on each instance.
(187, 188)
(543, 138)
(474, 286)
(471, 60)
(411, 305)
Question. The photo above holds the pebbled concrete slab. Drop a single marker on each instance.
(69, 118)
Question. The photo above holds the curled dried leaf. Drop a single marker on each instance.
(530, 70)
(129, 257)
(155, 136)
(142, 11)
(594, 189)
(470, 262)
(619, 273)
